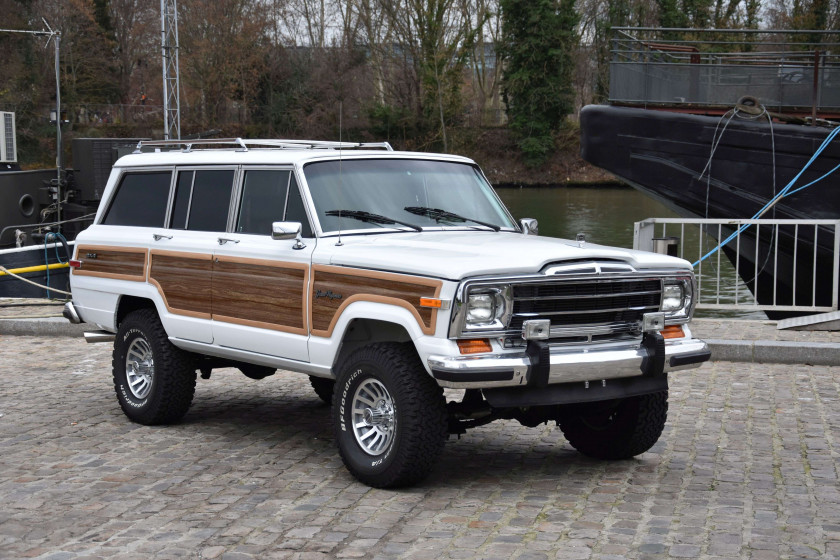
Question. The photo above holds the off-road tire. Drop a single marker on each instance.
(253, 371)
(323, 387)
(173, 372)
(419, 412)
(618, 429)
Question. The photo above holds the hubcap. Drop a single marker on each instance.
(374, 420)
(139, 368)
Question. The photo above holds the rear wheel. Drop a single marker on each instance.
(617, 429)
(154, 380)
(323, 387)
(390, 416)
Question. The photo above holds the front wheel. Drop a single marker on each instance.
(154, 380)
(617, 429)
(389, 416)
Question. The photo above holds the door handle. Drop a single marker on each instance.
(159, 236)
(223, 240)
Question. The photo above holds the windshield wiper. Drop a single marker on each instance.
(370, 217)
(437, 215)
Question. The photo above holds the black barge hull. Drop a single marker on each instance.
(664, 153)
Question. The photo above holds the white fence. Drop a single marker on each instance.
(770, 265)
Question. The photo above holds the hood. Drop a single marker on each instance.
(455, 255)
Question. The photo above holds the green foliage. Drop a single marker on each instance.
(538, 41)
(388, 122)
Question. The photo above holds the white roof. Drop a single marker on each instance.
(267, 156)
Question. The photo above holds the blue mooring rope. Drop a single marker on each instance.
(57, 256)
(783, 193)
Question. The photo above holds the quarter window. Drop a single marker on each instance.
(140, 200)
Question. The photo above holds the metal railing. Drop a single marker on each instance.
(783, 69)
(799, 259)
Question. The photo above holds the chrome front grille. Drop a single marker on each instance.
(586, 310)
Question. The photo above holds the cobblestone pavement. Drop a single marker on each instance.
(747, 468)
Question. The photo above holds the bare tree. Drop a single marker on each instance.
(137, 35)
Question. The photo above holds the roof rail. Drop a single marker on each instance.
(245, 145)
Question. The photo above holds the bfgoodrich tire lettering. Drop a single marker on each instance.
(390, 391)
(153, 379)
(618, 429)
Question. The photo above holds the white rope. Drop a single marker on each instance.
(28, 281)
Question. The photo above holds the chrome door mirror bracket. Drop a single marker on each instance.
(288, 230)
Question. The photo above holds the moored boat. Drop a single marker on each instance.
(716, 134)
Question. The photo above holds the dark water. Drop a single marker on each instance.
(606, 213)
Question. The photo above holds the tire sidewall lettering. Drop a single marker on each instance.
(377, 463)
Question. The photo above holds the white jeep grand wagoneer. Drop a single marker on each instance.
(385, 276)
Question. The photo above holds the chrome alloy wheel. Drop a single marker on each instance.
(139, 368)
(374, 421)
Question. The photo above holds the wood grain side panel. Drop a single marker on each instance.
(184, 281)
(127, 263)
(352, 285)
(261, 294)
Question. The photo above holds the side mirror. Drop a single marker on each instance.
(287, 230)
(529, 226)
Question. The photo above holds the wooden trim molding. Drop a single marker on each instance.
(261, 293)
(183, 281)
(118, 263)
(335, 287)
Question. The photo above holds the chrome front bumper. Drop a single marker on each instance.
(564, 365)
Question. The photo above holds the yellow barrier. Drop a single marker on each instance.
(40, 268)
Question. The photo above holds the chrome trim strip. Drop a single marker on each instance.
(586, 311)
(617, 294)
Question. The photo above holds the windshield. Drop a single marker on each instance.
(402, 193)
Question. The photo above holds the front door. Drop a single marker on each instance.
(260, 284)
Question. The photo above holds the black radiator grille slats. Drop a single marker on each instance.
(615, 303)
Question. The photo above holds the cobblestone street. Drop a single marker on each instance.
(747, 468)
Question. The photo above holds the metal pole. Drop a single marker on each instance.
(59, 160)
(816, 87)
(164, 70)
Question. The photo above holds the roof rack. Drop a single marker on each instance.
(244, 145)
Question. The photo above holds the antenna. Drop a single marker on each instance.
(340, 176)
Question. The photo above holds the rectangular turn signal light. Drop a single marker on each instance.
(474, 346)
(672, 331)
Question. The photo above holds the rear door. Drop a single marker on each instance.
(260, 284)
(181, 256)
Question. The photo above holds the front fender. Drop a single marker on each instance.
(323, 350)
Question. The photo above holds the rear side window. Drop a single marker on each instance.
(202, 200)
(140, 200)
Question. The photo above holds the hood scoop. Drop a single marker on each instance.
(594, 268)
